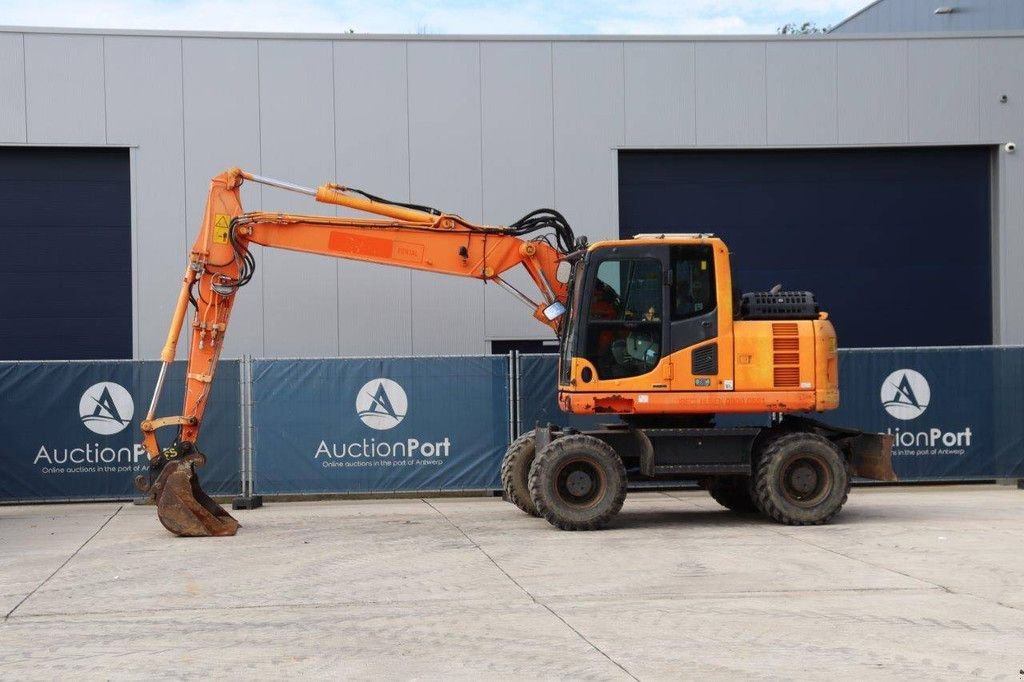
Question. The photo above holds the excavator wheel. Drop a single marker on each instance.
(733, 493)
(578, 482)
(515, 472)
(801, 479)
(182, 505)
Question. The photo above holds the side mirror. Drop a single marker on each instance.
(562, 272)
(554, 311)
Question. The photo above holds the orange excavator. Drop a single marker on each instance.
(650, 331)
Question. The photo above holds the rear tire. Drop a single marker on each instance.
(578, 482)
(801, 479)
(515, 472)
(733, 493)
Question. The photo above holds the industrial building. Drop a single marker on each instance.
(879, 171)
(935, 16)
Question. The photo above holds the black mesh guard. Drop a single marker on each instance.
(784, 305)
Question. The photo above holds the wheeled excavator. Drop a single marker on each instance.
(651, 333)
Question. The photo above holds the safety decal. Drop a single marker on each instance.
(221, 225)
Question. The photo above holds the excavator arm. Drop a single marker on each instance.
(221, 263)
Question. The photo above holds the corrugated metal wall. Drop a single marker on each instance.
(488, 128)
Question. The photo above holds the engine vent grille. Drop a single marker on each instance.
(704, 360)
(787, 377)
(786, 344)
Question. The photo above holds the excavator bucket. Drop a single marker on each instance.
(182, 505)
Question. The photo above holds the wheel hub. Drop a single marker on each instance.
(806, 480)
(579, 483)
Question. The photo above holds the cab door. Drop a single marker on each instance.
(624, 330)
(693, 313)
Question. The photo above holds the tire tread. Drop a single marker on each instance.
(762, 480)
(541, 467)
(520, 447)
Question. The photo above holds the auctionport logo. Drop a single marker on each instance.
(106, 408)
(382, 404)
(906, 394)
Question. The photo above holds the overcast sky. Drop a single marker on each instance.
(437, 17)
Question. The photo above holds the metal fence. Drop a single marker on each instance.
(70, 430)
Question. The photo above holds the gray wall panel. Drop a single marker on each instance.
(1001, 73)
(660, 94)
(943, 90)
(64, 89)
(444, 162)
(1010, 248)
(589, 126)
(518, 164)
(498, 127)
(731, 94)
(144, 106)
(872, 92)
(297, 144)
(12, 85)
(220, 91)
(372, 135)
(901, 16)
(801, 92)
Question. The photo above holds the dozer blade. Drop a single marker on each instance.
(871, 456)
(183, 506)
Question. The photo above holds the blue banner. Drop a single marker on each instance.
(379, 425)
(71, 429)
(955, 413)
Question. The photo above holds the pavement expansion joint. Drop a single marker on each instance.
(935, 585)
(861, 561)
(528, 594)
(481, 550)
(66, 562)
(320, 605)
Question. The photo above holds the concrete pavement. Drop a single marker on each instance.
(907, 582)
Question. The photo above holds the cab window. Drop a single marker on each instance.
(624, 318)
(693, 281)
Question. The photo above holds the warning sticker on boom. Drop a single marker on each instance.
(221, 224)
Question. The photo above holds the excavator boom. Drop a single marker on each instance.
(404, 235)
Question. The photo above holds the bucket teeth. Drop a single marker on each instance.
(183, 506)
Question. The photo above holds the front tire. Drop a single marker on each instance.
(578, 482)
(801, 479)
(515, 472)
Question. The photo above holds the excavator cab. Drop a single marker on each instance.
(649, 316)
(657, 328)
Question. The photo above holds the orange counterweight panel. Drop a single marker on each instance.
(826, 365)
